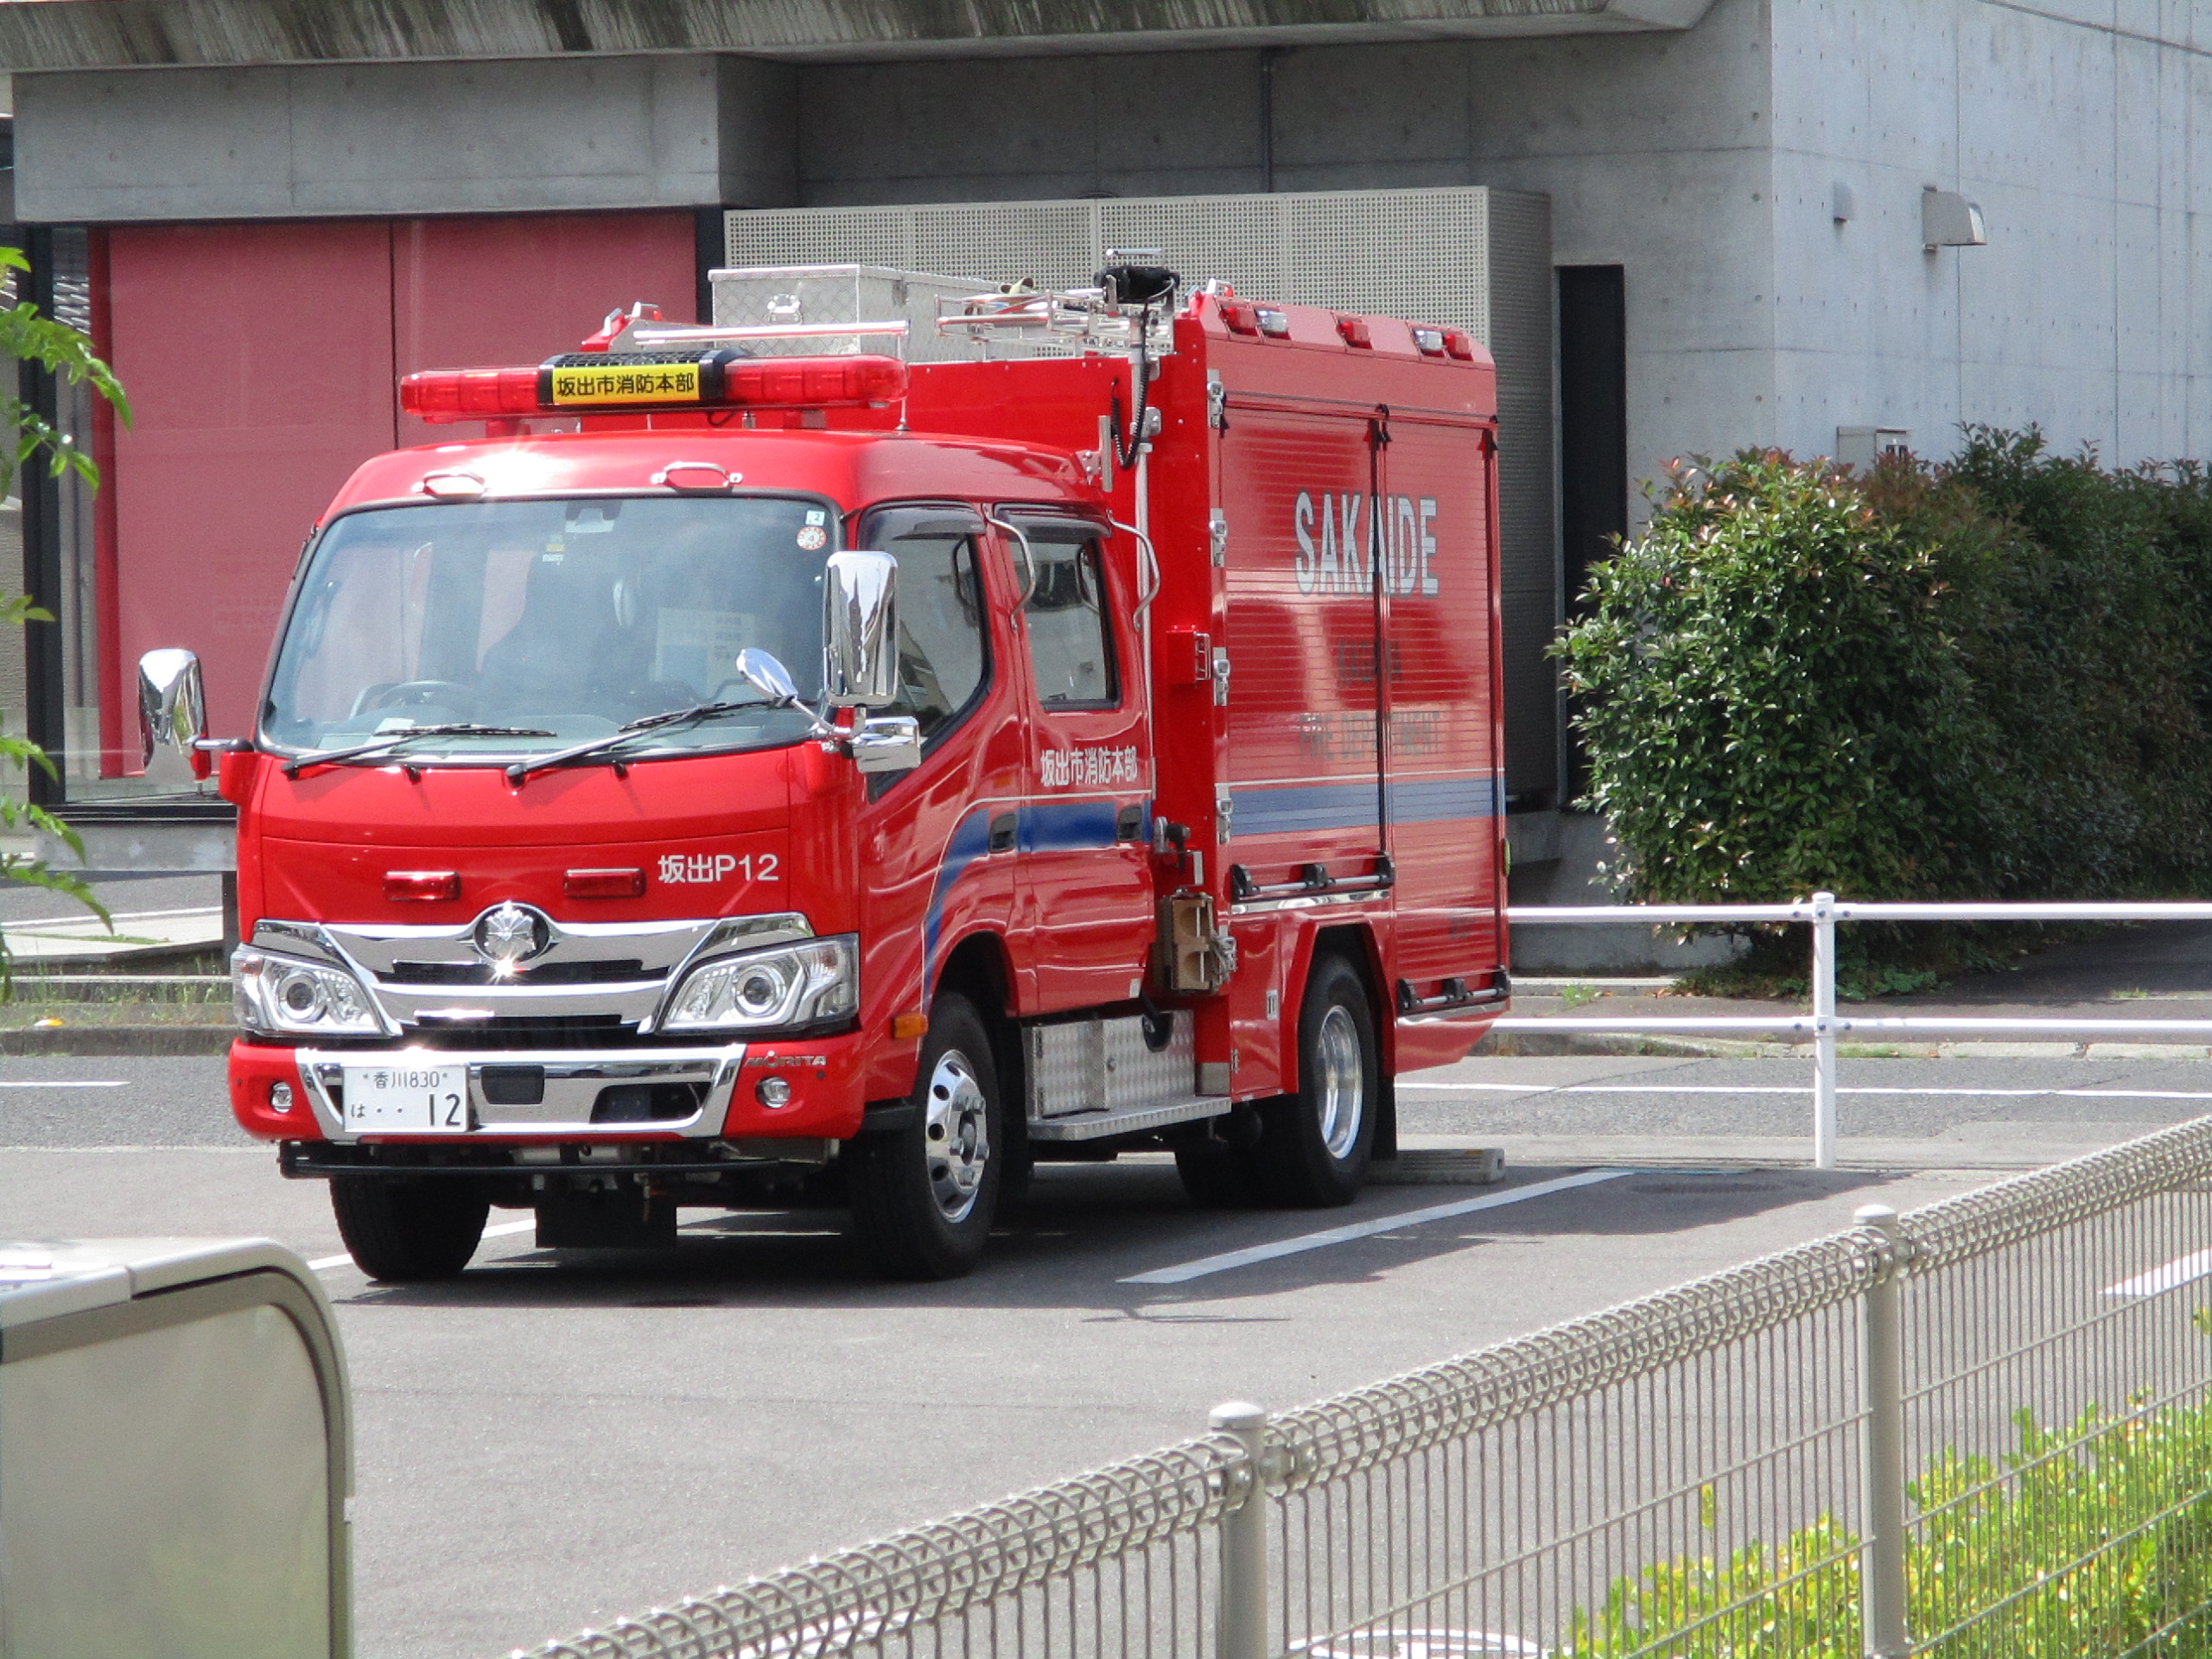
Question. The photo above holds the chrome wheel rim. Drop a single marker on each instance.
(1342, 1078)
(956, 1135)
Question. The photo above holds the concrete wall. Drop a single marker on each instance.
(2084, 130)
(99, 146)
(1655, 149)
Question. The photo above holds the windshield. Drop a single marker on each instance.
(566, 620)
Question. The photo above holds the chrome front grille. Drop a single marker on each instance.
(613, 970)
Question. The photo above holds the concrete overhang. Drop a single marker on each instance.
(60, 35)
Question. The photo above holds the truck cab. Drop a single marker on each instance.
(751, 774)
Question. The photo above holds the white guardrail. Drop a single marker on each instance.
(1823, 1024)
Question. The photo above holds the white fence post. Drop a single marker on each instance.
(1882, 1449)
(1242, 1623)
(1823, 1031)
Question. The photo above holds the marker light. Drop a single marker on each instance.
(411, 886)
(1272, 322)
(1459, 344)
(1430, 341)
(1355, 331)
(1242, 317)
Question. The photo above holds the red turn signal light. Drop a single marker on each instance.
(1355, 331)
(1242, 318)
(423, 886)
(604, 884)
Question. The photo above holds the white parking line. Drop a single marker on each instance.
(59, 1082)
(2182, 1270)
(1791, 1089)
(333, 1263)
(1206, 1265)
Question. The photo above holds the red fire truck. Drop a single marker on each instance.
(766, 766)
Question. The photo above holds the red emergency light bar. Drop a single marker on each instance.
(600, 383)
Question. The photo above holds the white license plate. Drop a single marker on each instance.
(420, 1099)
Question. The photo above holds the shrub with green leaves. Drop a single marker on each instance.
(1990, 678)
(2091, 1538)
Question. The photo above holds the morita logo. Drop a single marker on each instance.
(1334, 537)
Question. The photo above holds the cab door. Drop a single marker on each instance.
(1084, 870)
(931, 872)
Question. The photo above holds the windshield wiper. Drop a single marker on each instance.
(393, 740)
(522, 769)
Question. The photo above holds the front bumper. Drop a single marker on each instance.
(722, 1082)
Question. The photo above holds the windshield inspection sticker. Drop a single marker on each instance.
(812, 538)
(697, 869)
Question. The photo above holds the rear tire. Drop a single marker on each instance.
(405, 1232)
(924, 1196)
(1314, 1145)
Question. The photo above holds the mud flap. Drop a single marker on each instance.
(1385, 1149)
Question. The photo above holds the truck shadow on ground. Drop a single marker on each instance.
(1087, 1230)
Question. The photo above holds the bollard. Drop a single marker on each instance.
(1824, 1031)
(1241, 1625)
(1882, 1449)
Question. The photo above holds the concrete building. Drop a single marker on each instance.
(274, 208)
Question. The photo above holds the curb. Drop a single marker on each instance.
(1524, 1044)
(109, 1042)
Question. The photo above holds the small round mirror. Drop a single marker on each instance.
(766, 674)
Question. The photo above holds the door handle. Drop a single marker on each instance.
(1002, 826)
(1128, 823)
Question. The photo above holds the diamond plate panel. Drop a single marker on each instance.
(1105, 1065)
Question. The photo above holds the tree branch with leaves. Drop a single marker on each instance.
(26, 336)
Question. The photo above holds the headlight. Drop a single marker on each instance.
(795, 985)
(277, 995)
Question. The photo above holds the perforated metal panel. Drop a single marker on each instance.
(1464, 255)
(774, 295)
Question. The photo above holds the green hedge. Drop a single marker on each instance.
(1990, 678)
(2088, 1540)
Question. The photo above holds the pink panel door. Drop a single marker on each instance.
(258, 361)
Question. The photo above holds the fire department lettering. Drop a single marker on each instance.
(654, 384)
(1086, 768)
(1334, 537)
(697, 869)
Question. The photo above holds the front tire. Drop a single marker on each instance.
(1314, 1145)
(924, 1196)
(409, 1232)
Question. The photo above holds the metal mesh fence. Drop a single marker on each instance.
(1114, 1561)
(1982, 1428)
(2056, 1420)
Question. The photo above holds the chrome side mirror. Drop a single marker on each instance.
(172, 708)
(860, 631)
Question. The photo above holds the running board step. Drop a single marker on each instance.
(1097, 1126)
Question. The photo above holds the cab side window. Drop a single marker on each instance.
(944, 649)
(1071, 644)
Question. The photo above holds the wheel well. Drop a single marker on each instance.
(978, 969)
(1355, 946)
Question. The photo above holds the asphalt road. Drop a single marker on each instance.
(556, 1438)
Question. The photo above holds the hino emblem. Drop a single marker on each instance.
(506, 936)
